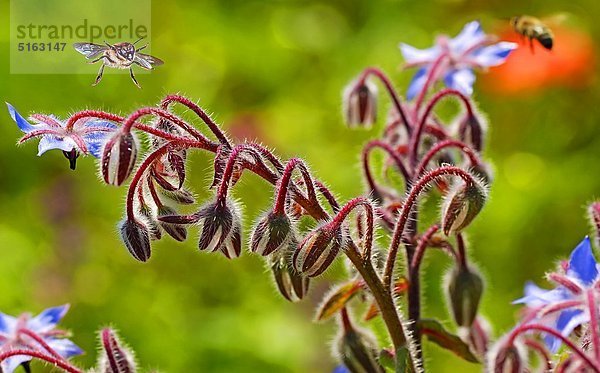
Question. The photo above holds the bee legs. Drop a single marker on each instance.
(531, 45)
(99, 77)
(134, 79)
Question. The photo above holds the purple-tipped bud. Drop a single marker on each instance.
(118, 158)
(465, 287)
(177, 231)
(271, 233)
(472, 130)
(461, 206)
(357, 349)
(291, 284)
(360, 104)
(136, 237)
(114, 358)
(317, 251)
(220, 228)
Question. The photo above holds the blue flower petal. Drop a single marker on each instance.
(493, 55)
(49, 142)
(23, 124)
(48, 319)
(461, 80)
(567, 321)
(9, 365)
(341, 369)
(582, 263)
(414, 56)
(65, 347)
(417, 83)
(7, 323)
(536, 296)
(100, 123)
(471, 34)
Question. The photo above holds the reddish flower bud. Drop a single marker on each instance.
(145, 213)
(507, 358)
(182, 196)
(118, 158)
(271, 233)
(472, 129)
(177, 231)
(461, 206)
(291, 284)
(136, 237)
(220, 228)
(360, 104)
(317, 251)
(114, 358)
(169, 170)
(465, 287)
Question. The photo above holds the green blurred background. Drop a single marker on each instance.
(273, 71)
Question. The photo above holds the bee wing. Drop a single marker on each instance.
(147, 61)
(89, 50)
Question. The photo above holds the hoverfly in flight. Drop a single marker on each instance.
(118, 56)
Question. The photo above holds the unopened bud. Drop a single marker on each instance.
(461, 206)
(180, 196)
(114, 358)
(360, 104)
(317, 251)
(150, 222)
(505, 358)
(272, 232)
(136, 238)
(472, 129)
(177, 231)
(169, 170)
(465, 287)
(220, 228)
(291, 284)
(118, 158)
(357, 349)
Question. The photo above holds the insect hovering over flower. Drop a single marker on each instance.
(533, 28)
(119, 56)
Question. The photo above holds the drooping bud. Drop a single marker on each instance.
(169, 170)
(182, 196)
(177, 231)
(136, 238)
(291, 284)
(317, 251)
(272, 232)
(220, 228)
(461, 206)
(594, 214)
(357, 349)
(471, 129)
(118, 158)
(507, 358)
(360, 104)
(465, 287)
(114, 358)
(150, 222)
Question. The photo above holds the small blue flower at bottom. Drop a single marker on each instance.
(14, 334)
(455, 59)
(87, 136)
(582, 271)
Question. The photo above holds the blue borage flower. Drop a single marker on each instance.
(456, 59)
(86, 137)
(582, 271)
(44, 326)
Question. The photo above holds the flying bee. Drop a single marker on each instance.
(118, 56)
(533, 28)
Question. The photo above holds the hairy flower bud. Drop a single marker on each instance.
(291, 284)
(136, 238)
(145, 213)
(461, 206)
(118, 158)
(465, 287)
(220, 229)
(507, 358)
(357, 350)
(177, 231)
(472, 129)
(272, 232)
(169, 170)
(360, 104)
(317, 251)
(114, 358)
